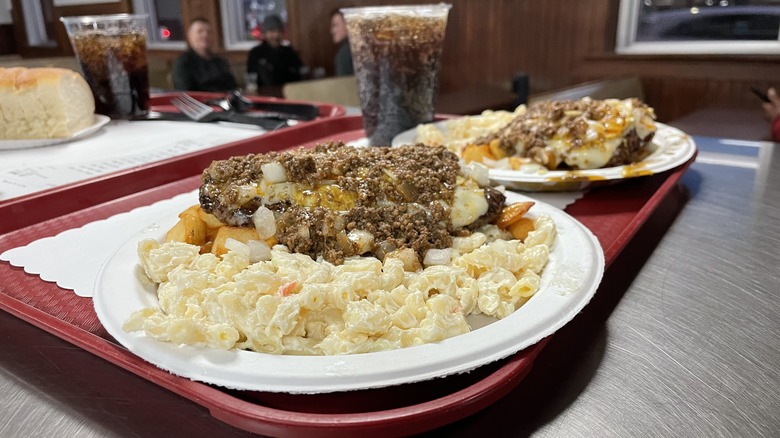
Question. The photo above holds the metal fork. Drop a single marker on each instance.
(200, 112)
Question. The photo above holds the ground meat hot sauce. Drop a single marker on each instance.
(336, 201)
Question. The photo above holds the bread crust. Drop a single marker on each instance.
(20, 78)
(45, 102)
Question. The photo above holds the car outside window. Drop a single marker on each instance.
(699, 27)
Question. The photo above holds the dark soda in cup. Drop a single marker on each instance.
(397, 52)
(111, 50)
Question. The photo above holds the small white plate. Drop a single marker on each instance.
(100, 120)
(672, 148)
(570, 279)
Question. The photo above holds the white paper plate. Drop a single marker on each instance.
(100, 120)
(672, 148)
(570, 279)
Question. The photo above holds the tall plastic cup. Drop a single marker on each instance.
(112, 52)
(396, 51)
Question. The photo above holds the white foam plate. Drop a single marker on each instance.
(100, 120)
(570, 279)
(671, 148)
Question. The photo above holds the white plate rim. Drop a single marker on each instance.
(118, 292)
(99, 121)
(673, 148)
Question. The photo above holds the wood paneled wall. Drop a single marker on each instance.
(487, 40)
(558, 43)
(678, 85)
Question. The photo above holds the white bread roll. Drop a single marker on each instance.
(43, 103)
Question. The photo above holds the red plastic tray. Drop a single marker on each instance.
(613, 213)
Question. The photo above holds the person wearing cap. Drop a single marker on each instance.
(198, 68)
(274, 61)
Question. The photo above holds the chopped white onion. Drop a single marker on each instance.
(480, 173)
(237, 246)
(274, 172)
(259, 251)
(361, 240)
(264, 221)
(436, 256)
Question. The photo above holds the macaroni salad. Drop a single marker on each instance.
(293, 304)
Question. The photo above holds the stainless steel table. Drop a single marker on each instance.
(683, 338)
(686, 343)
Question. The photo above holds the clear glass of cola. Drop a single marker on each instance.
(396, 51)
(111, 50)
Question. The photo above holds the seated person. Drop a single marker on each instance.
(772, 110)
(274, 61)
(338, 30)
(198, 69)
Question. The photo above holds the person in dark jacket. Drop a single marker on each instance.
(342, 63)
(274, 61)
(198, 69)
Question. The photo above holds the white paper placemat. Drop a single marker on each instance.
(117, 146)
(73, 258)
(62, 259)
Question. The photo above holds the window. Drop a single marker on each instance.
(242, 20)
(699, 27)
(39, 23)
(166, 29)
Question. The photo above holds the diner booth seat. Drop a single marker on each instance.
(341, 90)
(618, 88)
